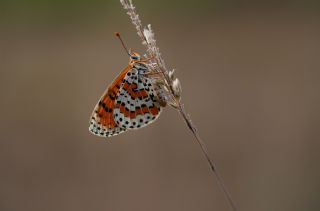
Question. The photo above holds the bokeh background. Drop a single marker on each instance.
(250, 72)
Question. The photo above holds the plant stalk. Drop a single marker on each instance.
(204, 150)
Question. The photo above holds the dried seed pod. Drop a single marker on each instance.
(171, 74)
(176, 87)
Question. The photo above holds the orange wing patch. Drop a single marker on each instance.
(102, 122)
(131, 89)
(104, 108)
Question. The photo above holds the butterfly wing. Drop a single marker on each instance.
(136, 105)
(102, 122)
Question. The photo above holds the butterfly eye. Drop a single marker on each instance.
(135, 57)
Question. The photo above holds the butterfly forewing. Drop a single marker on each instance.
(102, 122)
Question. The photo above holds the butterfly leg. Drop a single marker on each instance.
(148, 59)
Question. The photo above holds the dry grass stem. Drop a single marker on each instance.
(169, 87)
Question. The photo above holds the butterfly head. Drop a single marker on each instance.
(134, 57)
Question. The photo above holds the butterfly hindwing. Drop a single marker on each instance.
(136, 105)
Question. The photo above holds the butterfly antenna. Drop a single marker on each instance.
(124, 46)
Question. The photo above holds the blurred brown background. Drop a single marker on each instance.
(250, 73)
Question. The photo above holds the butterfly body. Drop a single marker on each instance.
(130, 102)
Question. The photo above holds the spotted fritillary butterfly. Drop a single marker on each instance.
(130, 102)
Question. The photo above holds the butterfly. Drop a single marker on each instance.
(130, 102)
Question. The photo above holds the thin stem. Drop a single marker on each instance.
(147, 36)
(205, 152)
